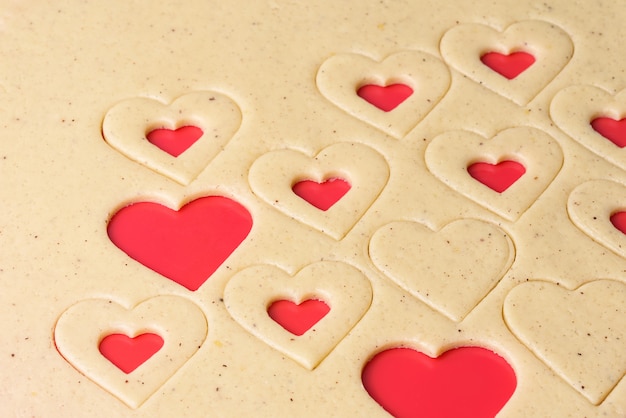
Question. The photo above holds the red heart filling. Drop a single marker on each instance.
(174, 142)
(464, 382)
(298, 319)
(385, 98)
(611, 129)
(509, 66)
(129, 353)
(618, 219)
(186, 246)
(498, 177)
(322, 195)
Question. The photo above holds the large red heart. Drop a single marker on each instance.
(509, 66)
(611, 129)
(186, 246)
(174, 142)
(385, 98)
(298, 319)
(618, 219)
(498, 177)
(322, 195)
(129, 353)
(464, 382)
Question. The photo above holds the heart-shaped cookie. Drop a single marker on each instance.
(82, 329)
(462, 382)
(274, 175)
(595, 207)
(465, 45)
(343, 288)
(578, 333)
(576, 108)
(451, 270)
(187, 245)
(450, 155)
(393, 95)
(215, 117)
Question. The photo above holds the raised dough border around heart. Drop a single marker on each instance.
(463, 45)
(82, 326)
(578, 333)
(449, 155)
(346, 290)
(341, 75)
(273, 175)
(126, 125)
(573, 109)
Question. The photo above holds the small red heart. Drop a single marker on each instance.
(298, 319)
(174, 142)
(129, 353)
(509, 66)
(611, 129)
(618, 219)
(385, 98)
(322, 195)
(498, 177)
(186, 246)
(463, 382)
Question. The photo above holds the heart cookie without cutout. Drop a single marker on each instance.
(273, 176)
(464, 45)
(450, 270)
(591, 207)
(187, 245)
(343, 288)
(575, 108)
(462, 382)
(127, 125)
(341, 79)
(578, 333)
(81, 329)
(450, 155)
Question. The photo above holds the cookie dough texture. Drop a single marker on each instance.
(66, 66)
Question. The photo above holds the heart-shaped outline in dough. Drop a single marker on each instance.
(578, 333)
(346, 290)
(273, 175)
(573, 109)
(449, 155)
(451, 270)
(126, 125)
(463, 45)
(82, 326)
(340, 76)
(590, 206)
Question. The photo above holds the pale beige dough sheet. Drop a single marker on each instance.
(530, 273)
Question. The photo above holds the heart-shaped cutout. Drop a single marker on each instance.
(386, 98)
(171, 149)
(392, 95)
(462, 382)
(509, 66)
(434, 266)
(535, 156)
(344, 290)
(597, 208)
(595, 118)
(187, 245)
(322, 195)
(128, 353)
(578, 333)
(297, 318)
(93, 336)
(498, 177)
(360, 169)
(174, 142)
(464, 47)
